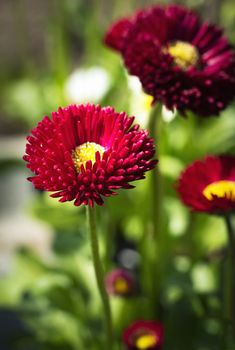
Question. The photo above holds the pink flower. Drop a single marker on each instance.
(86, 152)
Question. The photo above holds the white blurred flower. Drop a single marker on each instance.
(140, 103)
(168, 115)
(87, 85)
(129, 258)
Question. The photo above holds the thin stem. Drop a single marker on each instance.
(99, 272)
(155, 192)
(231, 238)
(230, 294)
(156, 181)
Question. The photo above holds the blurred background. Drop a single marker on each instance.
(51, 55)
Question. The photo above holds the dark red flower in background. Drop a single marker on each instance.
(209, 185)
(182, 62)
(120, 282)
(86, 152)
(143, 335)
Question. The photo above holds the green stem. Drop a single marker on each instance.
(156, 181)
(99, 272)
(229, 285)
(231, 239)
(156, 193)
(230, 294)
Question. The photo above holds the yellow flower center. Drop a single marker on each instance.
(185, 55)
(220, 189)
(121, 286)
(145, 341)
(86, 152)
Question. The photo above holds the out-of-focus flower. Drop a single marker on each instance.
(140, 102)
(208, 185)
(168, 115)
(87, 85)
(120, 282)
(143, 335)
(182, 62)
(86, 152)
(128, 258)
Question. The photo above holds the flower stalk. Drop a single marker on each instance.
(99, 273)
(156, 181)
(156, 194)
(230, 283)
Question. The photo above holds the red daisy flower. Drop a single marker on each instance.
(143, 335)
(86, 152)
(180, 61)
(209, 185)
(120, 282)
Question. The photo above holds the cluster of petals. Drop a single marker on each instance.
(143, 40)
(120, 282)
(208, 185)
(127, 155)
(143, 335)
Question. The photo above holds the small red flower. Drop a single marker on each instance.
(87, 152)
(182, 62)
(120, 282)
(209, 185)
(143, 335)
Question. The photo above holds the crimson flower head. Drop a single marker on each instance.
(86, 152)
(120, 282)
(143, 335)
(182, 62)
(208, 185)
